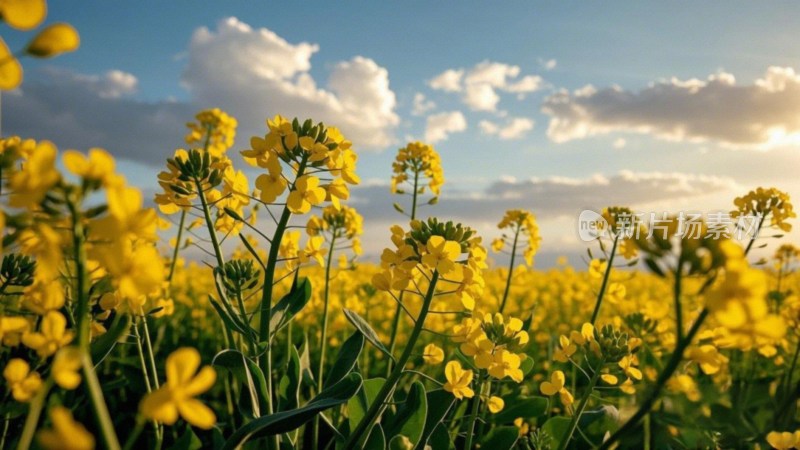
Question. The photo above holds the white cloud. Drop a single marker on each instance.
(528, 83)
(481, 97)
(759, 115)
(480, 83)
(251, 73)
(83, 111)
(488, 127)
(422, 104)
(548, 64)
(619, 143)
(112, 84)
(440, 126)
(263, 74)
(448, 81)
(557, 200)
(516, 128)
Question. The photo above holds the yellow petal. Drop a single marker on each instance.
(608, 378)
(202, 382)
(197, 414)
(496, 404)
(23, 14)
(55, 39)
(10, 68)
(158, 406)
(182, 365)
(74, 161)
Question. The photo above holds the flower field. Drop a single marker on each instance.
(279, 336)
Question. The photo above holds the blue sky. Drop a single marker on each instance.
(674, 116)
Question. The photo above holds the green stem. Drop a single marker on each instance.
(150, 354)
(266, 297)
(664, 376)
(34, 413)
(6, 420)
(140, 350)
(606, 276)
(177, 248)
(137, 430)
(753, 239)
(677, 291)
(209, 223)
(473, 416)
(399, 309)
(790, 374)
(510, 270)
(98, 403)
(573, 423)
(80, 296)
(323, 343)
(363, 428)
(84, 319)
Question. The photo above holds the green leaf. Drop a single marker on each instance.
(365, 329)
(439, 404)
(188, 441)
(526, 366)
(230, 320)
(286, 421)
(501, 438)
(292, 303)
(521, 406)
(358, 405)
(103, 345)
(305, 364)
(556, 429)
(440, 438)
(376, 440)
(409, 420)
(250, 375)
(598, 421)
(346, 359)
(289, 386)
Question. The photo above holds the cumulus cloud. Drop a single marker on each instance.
(263, 74)
(758, 115)
(440, 126)
(480, 83)
(421, 104)
(251, 73)
(516, 128)
(448, 81)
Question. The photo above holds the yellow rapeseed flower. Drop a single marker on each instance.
(176, 397)
(458, 380)
(66, 433)
(22, 382)
(66, 367)
(306, 194)
(433, 354)
(441, 254)
(495, 404)
(52, 335)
